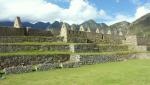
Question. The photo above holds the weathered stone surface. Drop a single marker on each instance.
(71, 65)
(97, 48)
(93, 59)
(9, 61)
(14, 39)
(18, 69)
(9, 31)
(48, 66)
(15, 48)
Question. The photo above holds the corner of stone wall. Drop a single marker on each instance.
(74, 58)
(72, 48)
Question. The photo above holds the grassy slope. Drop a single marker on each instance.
(133, 72)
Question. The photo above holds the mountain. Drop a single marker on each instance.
(141, 26)
(93, 25)
(6, 23)
(121, 27)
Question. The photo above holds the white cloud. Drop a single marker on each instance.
(77, 12)
(119, 18)
(142, 10)
(41, 10)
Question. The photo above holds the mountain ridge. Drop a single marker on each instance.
(139, 27)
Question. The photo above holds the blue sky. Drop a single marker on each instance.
(74, 11)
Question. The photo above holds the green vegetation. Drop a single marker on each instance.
(68, 52)
(36, 43)
(56, 43)
(37, 36)
(132, 72)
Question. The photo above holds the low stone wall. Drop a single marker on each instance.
(94, 59)
(17, 60)
(13, 64)
(45, 67)
(40, 67)
(15, 48)
(18, 69)
(14, 39)
(97, 48)
(49, 66)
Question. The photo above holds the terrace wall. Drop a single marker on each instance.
(15, 39)
(17, 60)
(10, 31)
(98, 48)
(93, 59)
(15, 48)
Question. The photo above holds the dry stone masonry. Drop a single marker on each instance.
(82, 46)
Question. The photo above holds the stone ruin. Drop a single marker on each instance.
(86, 41)
(17, 23)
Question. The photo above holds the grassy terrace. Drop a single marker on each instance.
(132, 72)
(68, 52)
(34, 36)
(54, 43)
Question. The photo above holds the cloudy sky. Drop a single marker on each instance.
(74, 11)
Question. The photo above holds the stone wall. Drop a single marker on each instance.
(94, 37)
(72, 48)
(37, 32)
(18, 69)
(91, 37)
(19, 60)
(15, 48)
(10, 31)
(97, 48)
(143, 41)
(94, 59)
(60, 61)
(76, 36)
(136, 40)
(14, 39)
(39, 67)
(5, 31)
(138, 48)
(130, 40)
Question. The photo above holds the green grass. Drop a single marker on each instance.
(67, 52)
(57, 43)
(133, 72)
(36, 43)
(37, 36)
(43, 43)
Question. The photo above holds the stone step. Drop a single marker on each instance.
(72, 47)
(16, 48)
(97, 48)
(14, 39)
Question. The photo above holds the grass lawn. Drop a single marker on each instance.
(133, 72)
